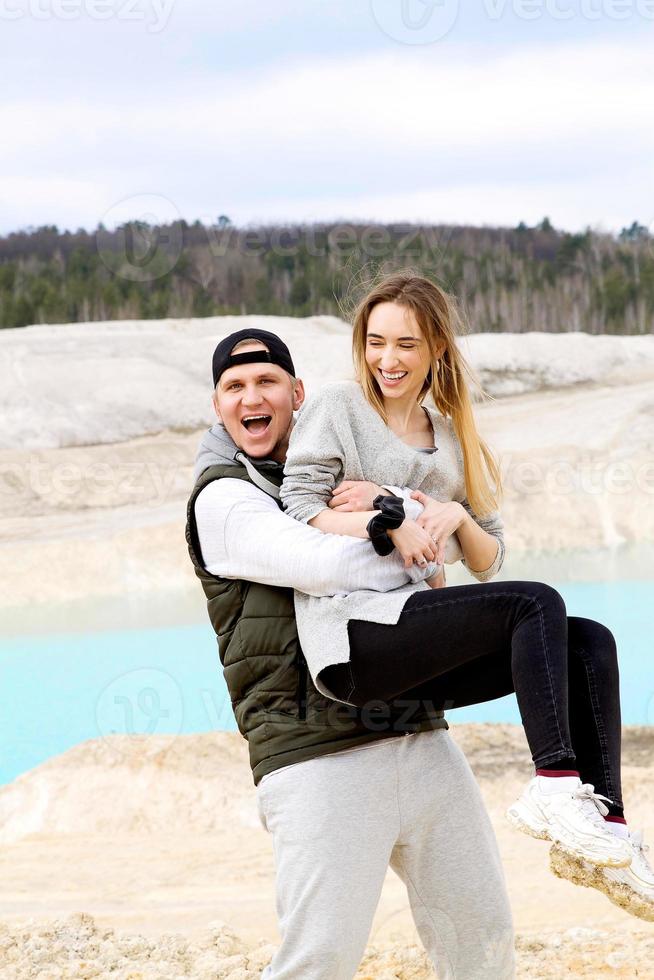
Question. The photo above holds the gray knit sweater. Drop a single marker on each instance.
(339, 436)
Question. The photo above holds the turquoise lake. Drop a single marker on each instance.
(60, 688)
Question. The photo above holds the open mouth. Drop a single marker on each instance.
(256, 424)
(393, 377)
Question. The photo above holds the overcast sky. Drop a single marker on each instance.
(387, 110)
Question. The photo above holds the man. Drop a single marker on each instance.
(343, 791)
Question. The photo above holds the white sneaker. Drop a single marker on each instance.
(632, 888)
(572, 817)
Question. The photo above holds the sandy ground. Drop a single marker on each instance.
(143, 857)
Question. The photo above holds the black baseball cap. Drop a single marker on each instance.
(277, 353)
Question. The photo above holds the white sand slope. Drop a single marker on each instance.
(157, 839)
(88, 495)
(88, 383)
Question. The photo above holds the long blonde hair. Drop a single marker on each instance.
(440, 321)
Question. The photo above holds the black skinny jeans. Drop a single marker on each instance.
(467, 644)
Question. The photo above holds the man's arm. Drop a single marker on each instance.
(243, 534)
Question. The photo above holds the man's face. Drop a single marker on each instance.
(255, 403)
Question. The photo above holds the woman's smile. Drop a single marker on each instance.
(392, 379)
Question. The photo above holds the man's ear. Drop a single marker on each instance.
(298, 394)
(214, 399)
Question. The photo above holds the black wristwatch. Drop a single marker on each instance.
(391, 515)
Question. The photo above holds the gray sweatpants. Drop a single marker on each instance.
(336, 824)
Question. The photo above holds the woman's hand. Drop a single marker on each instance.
(354, 495)
(413, 543)
(439, 520)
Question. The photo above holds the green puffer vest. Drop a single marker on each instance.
(276, 705)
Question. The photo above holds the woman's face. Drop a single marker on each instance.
(397, 353)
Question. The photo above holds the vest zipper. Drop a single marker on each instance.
(301, 696)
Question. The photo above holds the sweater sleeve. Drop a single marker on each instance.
(315, 458)
(492, 524)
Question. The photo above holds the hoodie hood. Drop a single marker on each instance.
(217, 449)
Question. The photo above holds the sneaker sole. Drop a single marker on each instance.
(523, 819)
(571, 868)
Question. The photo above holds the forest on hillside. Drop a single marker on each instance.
(506, 279)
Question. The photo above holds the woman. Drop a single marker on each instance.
(354, 442)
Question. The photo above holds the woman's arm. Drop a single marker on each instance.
(316, 458)
(481, 538)
(484, 552)
(321, 449)
(480, 549)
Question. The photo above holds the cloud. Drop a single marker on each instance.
(395, 129)
(570, 204)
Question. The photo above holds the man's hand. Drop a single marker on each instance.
(439, 520)
(413, 543)
(354, 495)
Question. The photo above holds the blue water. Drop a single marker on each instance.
(59, 689)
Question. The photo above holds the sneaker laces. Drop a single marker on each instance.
(591, 804)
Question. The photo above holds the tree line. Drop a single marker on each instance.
(506, 279)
